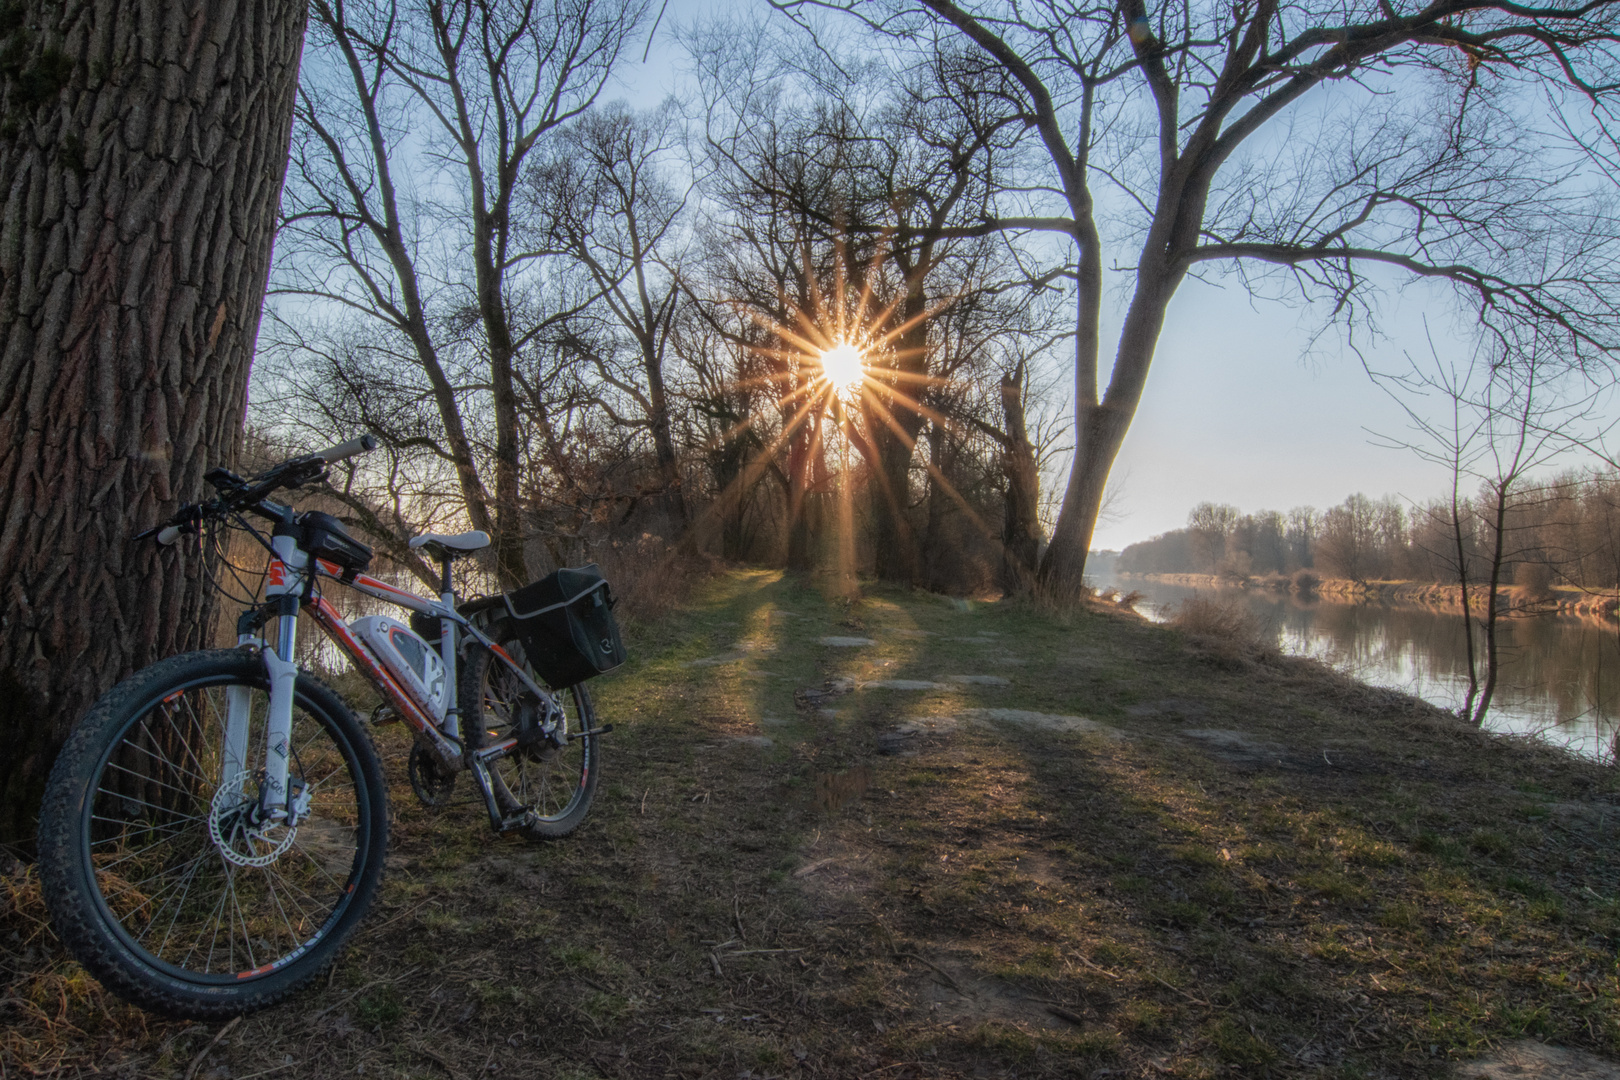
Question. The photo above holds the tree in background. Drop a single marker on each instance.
(602, 196)
(1314, 143)
(142, 149)
(1505, 421)
(415, 126)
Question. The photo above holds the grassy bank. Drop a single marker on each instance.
(1559, 599)
(1047, 847)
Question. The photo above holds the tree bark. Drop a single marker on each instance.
(894, 421)
(1021, 522)
(142, 176)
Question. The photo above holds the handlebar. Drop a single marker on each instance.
(347, 449)
(236, 494)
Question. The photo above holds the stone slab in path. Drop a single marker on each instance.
(1531, 1060)
(1044, 721)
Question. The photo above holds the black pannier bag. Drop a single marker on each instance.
(565, 621)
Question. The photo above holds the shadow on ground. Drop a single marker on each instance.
(912, 838)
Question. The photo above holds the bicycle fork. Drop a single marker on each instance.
(276, 799)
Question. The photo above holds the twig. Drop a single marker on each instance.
(1064, 1014)
(356, 993)
(1102, 971)
(758, 952)
(383, 926)
(271, 1069)
(1183, 993)
(196, 1062)
(954, 985)
(715, 959)
(433, 1055)
(819, 864)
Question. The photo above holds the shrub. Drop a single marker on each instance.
(1231, 624)
(1306, 582)
(1533, 582)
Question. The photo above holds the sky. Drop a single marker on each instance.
(1234, 411)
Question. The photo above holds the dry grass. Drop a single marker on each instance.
(1225, 627)
(1271, 871)
(652, 577)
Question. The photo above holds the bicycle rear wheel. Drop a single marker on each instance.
(159, 880)
(556, 775)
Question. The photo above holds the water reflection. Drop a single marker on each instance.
(1560, 675)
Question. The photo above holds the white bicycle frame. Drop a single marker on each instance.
(289, 587)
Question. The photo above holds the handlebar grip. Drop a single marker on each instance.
(169, 534)
(347, 449)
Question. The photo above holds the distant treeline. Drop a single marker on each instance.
(1566, 529)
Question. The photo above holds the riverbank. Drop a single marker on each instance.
(915, 838)
(1560, 600)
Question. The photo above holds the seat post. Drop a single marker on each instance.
(444, 572)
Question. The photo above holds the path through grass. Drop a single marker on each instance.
(1047, 847)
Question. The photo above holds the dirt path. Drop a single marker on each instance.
(912, 840)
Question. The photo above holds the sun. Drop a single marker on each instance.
(844, 367)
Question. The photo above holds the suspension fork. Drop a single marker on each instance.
(285, 583)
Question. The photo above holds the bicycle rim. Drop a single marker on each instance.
(180, 873)
(553, 780)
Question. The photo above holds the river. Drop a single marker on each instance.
(1560, 677)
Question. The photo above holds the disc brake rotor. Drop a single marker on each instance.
(237, 838)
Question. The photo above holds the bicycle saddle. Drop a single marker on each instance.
(462, 543)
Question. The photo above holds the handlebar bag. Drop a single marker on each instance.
(325, 537)
(565, 622)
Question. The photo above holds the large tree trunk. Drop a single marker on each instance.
(894, 421)
(942, 550)
(142, 157)
(1021, 523)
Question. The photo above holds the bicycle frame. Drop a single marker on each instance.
(290, 586)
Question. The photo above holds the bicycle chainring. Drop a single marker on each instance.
(432, 785)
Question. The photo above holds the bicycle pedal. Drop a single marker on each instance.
(516, 819)
(603, 730)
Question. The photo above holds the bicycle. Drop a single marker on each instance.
(215, 828)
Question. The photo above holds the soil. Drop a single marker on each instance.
(1146, 856)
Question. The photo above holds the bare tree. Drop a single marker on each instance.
(1188, 124)
(604, 195)
(134, 244)
(1501, 422)
(415, 122)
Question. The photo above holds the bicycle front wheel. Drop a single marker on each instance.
(160, 877)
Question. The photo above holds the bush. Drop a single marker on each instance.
(1306, 582)
(1230, 624)
(650, 576)
(1533, 582)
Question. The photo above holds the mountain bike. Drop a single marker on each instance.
(216, 825)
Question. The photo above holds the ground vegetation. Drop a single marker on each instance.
(997, 841)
